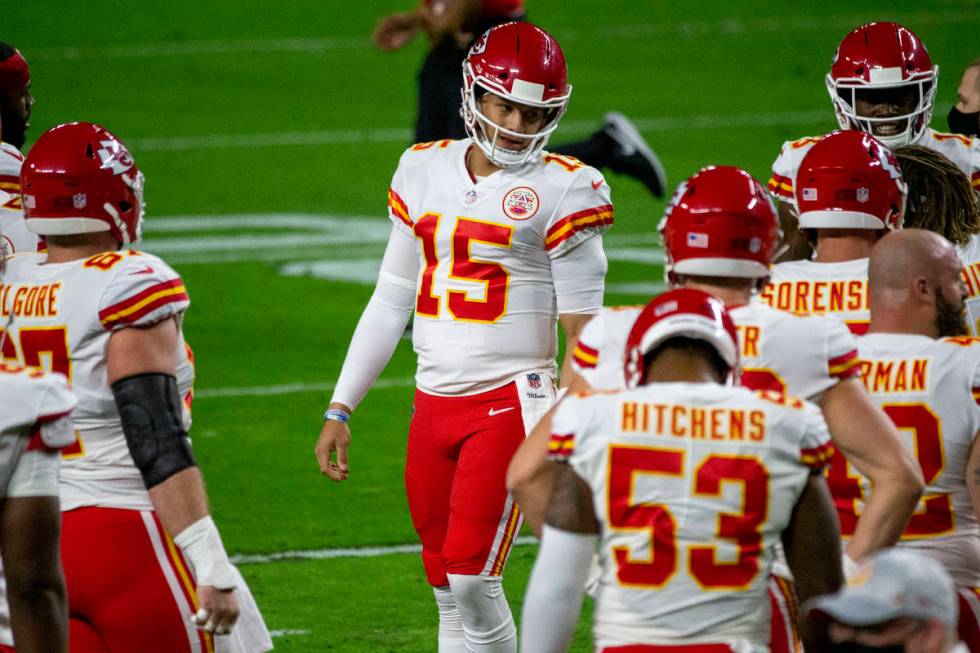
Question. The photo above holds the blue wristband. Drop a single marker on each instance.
(336, 415)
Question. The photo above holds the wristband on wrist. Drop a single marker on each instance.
(201, 544)
(337, 415)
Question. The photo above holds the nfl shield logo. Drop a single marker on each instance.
(863, 195)
(79, 200)
(534, 380)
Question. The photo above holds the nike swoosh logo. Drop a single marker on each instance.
(596, 184)
(494, 411)
(146, 270)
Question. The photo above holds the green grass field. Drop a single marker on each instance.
(268, 132)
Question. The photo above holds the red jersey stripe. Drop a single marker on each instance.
(131, 309)
(398, 207)
(817, 457)
(572, 224)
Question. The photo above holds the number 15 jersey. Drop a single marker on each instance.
(486, 307)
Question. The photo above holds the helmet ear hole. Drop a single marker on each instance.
(89, 152)
(124, 206)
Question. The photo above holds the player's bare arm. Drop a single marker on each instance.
(148, 357)
(572, 325)
(794, 246)
(973, 474)
(530, 476)
(456, 18)
(812, 545)
(870, 441)
(29, 539)
(331, 447)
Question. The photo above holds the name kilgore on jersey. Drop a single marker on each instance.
(964, 151)
(808, 287)
(65, 314)
(14, 236)
(802, 355)
(495, 239)
(688, 431)
(931, 391)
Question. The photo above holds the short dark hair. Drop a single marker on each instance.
(690, 346)
(6, 51)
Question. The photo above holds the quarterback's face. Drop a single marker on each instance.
(513, 116)
(885, 102)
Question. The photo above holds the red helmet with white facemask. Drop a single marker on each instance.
(720, 223)
(681, 313)
(79, 178)
(883, 56)
(522, 64)
(849, 180)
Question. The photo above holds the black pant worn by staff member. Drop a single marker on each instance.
(618, 145)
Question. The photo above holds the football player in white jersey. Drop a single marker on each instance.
(495, 241)
(110, 319)
(720, 234)
(925, 373)
(850, 192)
(34, 425)
(940, 199)
(882, 82)
(686, 483)
(16, 102)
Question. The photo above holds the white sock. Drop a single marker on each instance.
(451, 638)
(487, 621)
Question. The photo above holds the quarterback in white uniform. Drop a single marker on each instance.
(34, 426)
(930, 387)
(109, 319)
(882, 82)
(648, 475)
(849, 192)
(494, 243)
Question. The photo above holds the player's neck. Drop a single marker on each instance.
(903, 318)
(676, 366)
(62, 249)
(839, 245)
(478, 164)
(731, 291)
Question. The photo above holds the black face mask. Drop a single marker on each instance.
(967, 124)
(854, 647)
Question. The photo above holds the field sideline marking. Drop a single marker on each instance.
(684, 29)
(352, 552)
(360, 136)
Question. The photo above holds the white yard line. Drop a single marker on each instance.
(638, 31)
(290, 388)
(342, 136)
(358, 552)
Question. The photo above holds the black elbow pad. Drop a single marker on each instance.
(149, 408)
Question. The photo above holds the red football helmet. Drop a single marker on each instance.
(720, 223)
(79, 178)
(521, 63)
(882, 56)
(681, 313)
(849, 180)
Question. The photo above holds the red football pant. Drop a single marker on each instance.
(456, 465)
(129, 588)
(784, 636)
(969, 626)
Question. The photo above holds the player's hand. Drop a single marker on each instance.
(217, 610)
(394, 31)
(334, 437)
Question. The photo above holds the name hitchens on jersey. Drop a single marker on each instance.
(694, 423)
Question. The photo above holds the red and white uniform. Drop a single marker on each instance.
(34, 422)
(485, 289)
(970, 255)
(964, 151)
(667, 463)
(115, 552)
(14, 236)
(803, 355)
(490, 288)
(808, 287)
(931, 391)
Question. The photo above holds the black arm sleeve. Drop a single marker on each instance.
(149, 408)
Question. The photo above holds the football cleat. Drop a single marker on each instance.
(632, 155)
